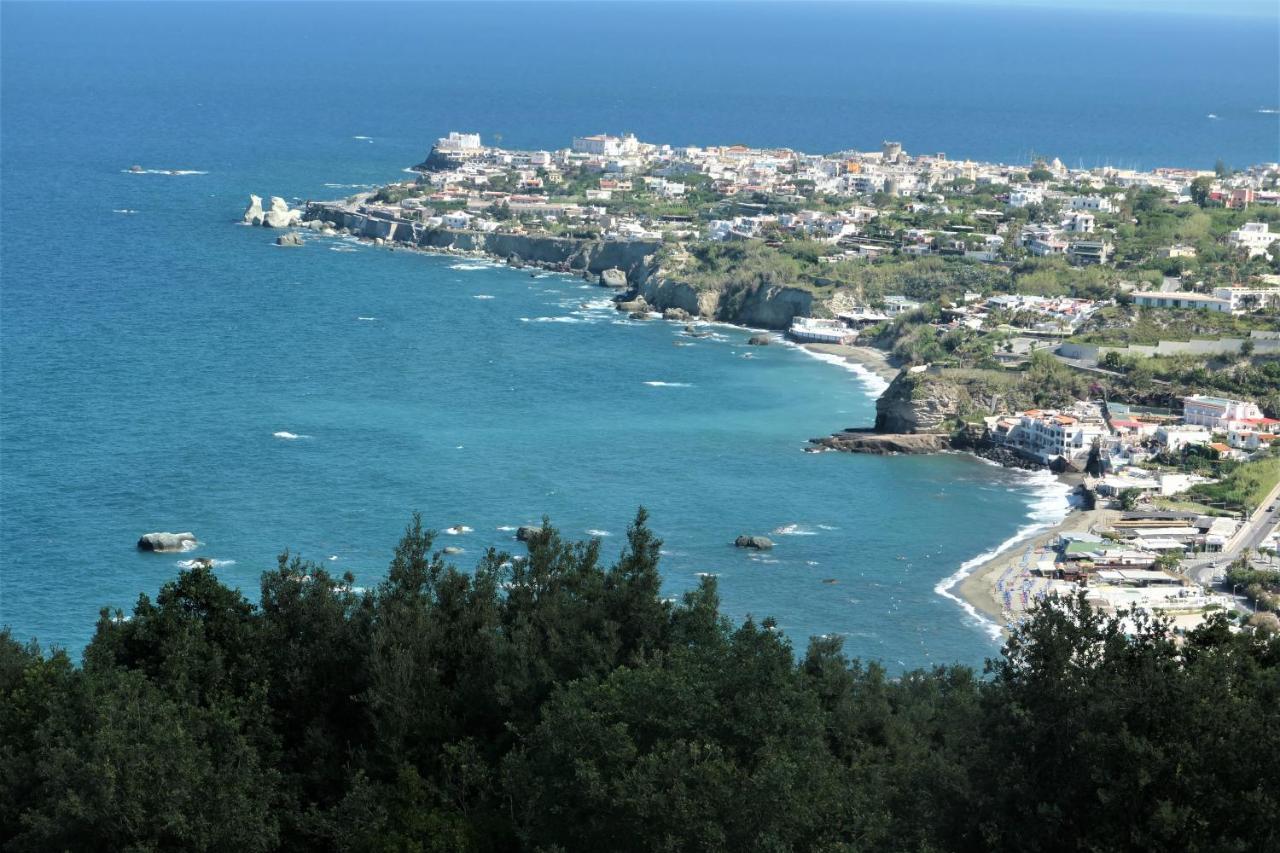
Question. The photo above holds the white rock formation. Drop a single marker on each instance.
(280, 216)
(253, 213)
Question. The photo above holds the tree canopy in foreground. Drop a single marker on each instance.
(556, 703)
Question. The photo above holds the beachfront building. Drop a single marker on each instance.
(1046, 435)
(818, 331)
(459, 143)
(1218, 413)
(457, 219)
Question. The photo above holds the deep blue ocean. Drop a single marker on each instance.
(151, 349)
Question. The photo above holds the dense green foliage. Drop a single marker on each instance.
(1243, 485)
(1256, 378)
(552, 703)
(1128, 324)
(1260, 584)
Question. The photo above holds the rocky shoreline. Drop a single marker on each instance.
(629, 264)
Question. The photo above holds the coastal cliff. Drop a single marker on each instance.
(920, 403)
(742, 303)
(633, 258)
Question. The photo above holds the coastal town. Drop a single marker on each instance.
(1120, 328)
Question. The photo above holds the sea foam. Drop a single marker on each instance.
(1050, 505)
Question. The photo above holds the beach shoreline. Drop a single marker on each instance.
(979, 587)
(875, 361)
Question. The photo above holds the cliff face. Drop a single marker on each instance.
(632, 257)
(919, 402)
(747, 304)
(768, 307)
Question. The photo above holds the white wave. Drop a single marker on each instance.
(794, 530)
(1051, 507)
(566, 319)
(288, 436)
(828, 527)
(707, 574)
(596, 304)
(654, 383)
(506, 528)
(125, 210)
(457, 530)
(1268, 111)
(591, 531)
(481, 296)
(350, 186)
(342, 249)
(1212, 116)
(367, 318)
(178, 172)
(370, 138)
(873, 383)
(333, 557)
(200, 561)
(470, 266)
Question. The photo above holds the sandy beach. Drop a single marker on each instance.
(876, 361)
(980, 588)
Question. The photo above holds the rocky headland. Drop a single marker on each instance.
(628, 266)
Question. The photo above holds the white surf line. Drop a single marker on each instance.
(1050, 509)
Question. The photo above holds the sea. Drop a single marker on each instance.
(163, 367)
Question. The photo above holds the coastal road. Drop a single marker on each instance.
(1259, 525)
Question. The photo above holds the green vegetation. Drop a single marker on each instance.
(1127, 324)
(1243, 485)
(556, 704)
(1261, 585)
(1256, 378)
(396, 193)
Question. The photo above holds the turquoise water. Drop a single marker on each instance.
(151, 349)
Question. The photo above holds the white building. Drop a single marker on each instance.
(1080, 223)
(1254, 237)
(1026, 196)
(456, 219)
(1249, 298)
(895, 305)
(1179, 299)
(604, 145)
(1046, 435)
(1174, 438)
(1217, 413)
(1090, 202)
(459, 143)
